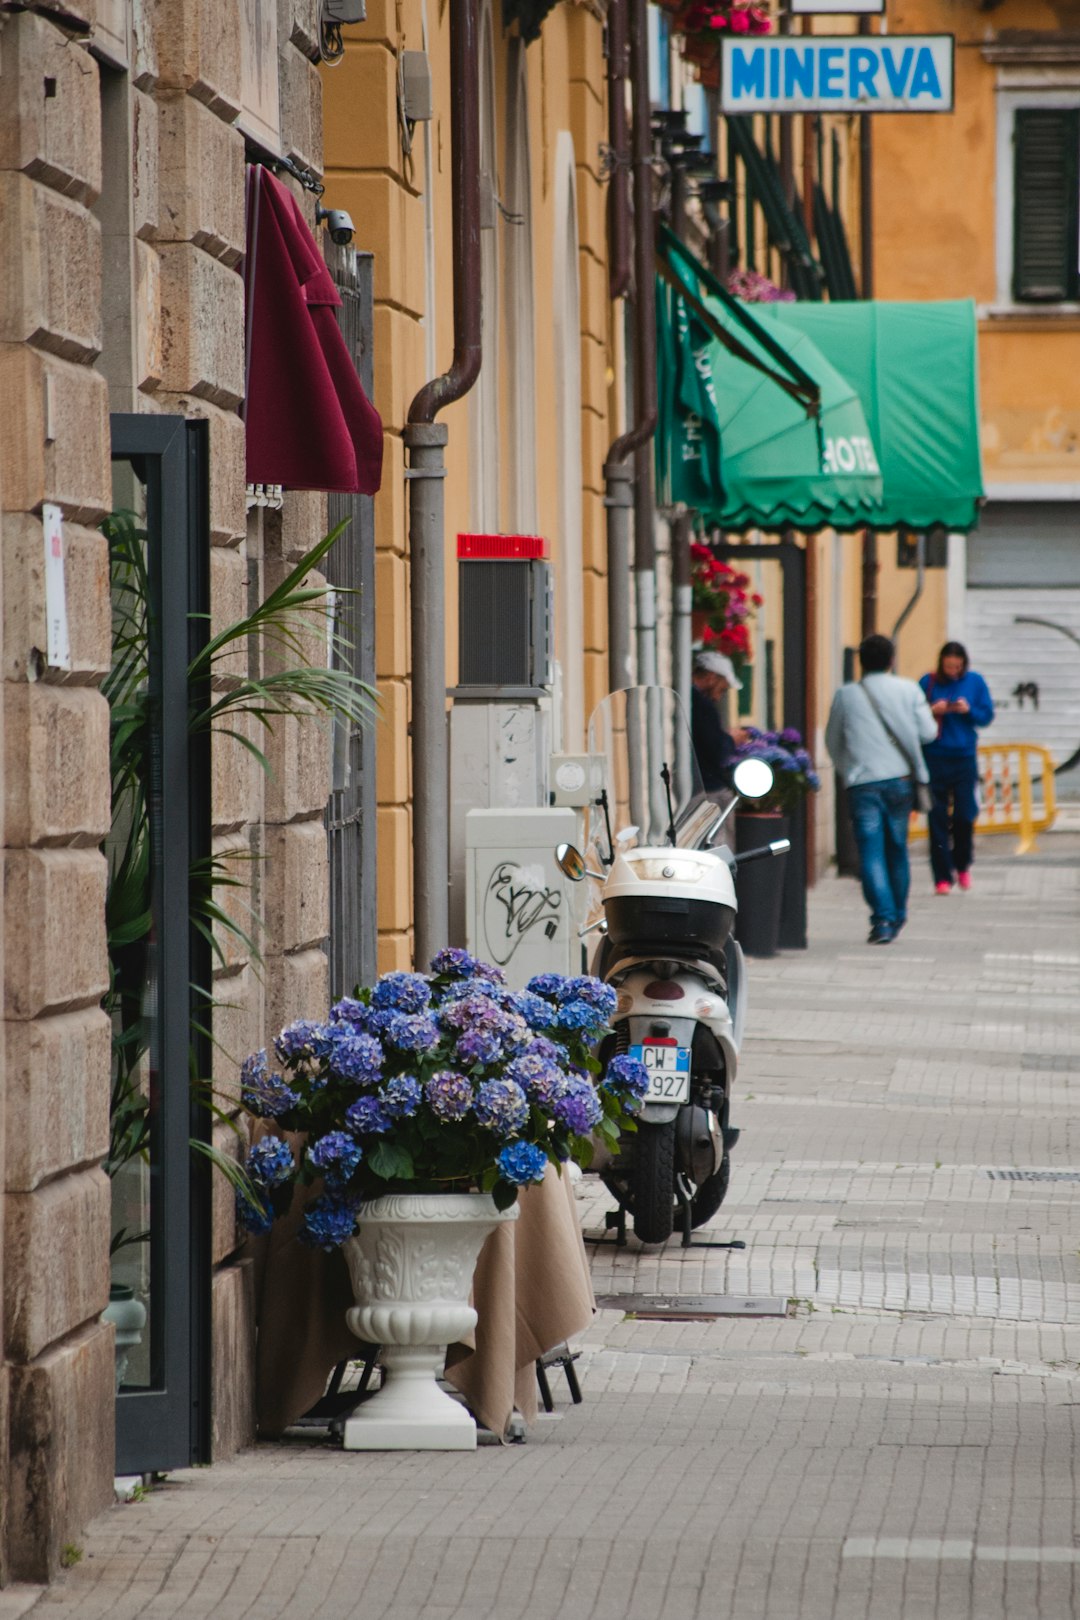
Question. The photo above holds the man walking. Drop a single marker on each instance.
(876, 730)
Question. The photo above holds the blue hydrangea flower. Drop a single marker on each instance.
(540, 1046)
(471, 1012)
(401, 1096)
(329, 1221)
(267, 1096)
(270, 1162)
(542, 1081)
(412, 1033)
(579, 1108)
(254, 1220)
(453, 963)
(337, 1156)
(627, 1075)
(478, 1046)
(537, 1013)
(357, 1057)
(298, 1040)
(594, 992)
(521, 1162)
(401, 992)
(350, 1011)
(577, 1017)
(367, 1117)
(449, 1095)
(546, 984)
(502, 1106)
(514, 1033)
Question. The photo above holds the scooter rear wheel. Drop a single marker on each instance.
(710, 1195)
(653, 1182)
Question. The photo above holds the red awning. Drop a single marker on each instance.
(309, 423)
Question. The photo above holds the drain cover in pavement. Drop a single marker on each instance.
(1033, 1175)
(690, 1307)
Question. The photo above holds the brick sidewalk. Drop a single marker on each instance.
(900, 1444)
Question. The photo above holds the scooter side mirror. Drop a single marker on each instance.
(571, 863)
(753, 778)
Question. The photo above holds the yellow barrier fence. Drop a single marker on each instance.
(1017, 792)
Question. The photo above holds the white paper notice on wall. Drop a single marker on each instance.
(58, 646)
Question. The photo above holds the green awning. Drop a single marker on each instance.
(733, 441)
(914, 366)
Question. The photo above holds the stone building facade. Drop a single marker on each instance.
(124, 131)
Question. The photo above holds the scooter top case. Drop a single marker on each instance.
(655, 897)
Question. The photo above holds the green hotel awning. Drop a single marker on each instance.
(915, 368)
(809, 415)
(738, 440)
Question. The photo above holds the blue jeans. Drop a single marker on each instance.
(879, 814)
(953, 779)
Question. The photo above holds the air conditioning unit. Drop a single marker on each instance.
(504, 616)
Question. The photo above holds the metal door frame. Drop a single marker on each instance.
(169, 1426)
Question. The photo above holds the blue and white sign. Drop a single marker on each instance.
(848, 73)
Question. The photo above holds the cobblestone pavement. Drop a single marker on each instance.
(899, 1444)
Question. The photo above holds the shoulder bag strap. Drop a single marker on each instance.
(889, 732)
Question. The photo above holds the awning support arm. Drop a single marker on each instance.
(810, 399)
(670, 243)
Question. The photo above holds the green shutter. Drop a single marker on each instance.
(1046, 204)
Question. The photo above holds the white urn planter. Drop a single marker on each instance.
(411, 1265)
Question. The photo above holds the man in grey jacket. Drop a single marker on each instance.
(876, 730)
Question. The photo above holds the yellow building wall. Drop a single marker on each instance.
(385, 192)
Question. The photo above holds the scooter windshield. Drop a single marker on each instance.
(648, 771)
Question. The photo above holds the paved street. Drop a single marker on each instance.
(899, 1443)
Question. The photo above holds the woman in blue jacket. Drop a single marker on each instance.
(960, 701)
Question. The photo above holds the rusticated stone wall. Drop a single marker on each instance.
(121, 232)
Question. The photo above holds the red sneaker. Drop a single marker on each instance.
(964, 879)
(942, 888)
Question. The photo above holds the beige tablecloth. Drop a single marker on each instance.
(531, 1291)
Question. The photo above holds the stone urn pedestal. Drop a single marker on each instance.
(411, 1264)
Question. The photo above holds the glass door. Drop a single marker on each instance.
(160, 969)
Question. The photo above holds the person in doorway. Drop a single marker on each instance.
(960, 702)
(714, 674)
(875, 735)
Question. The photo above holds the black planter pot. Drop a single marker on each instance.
(760, 884)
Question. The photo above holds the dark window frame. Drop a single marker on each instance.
(1046, 205)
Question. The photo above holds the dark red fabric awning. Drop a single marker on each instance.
(309, 423)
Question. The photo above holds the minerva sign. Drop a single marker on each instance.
(852, 73)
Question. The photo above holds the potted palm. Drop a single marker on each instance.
(410, 1120)
(761, 883)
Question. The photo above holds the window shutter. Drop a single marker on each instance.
(1046, 205)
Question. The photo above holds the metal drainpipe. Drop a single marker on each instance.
(620, 476)
(619, 278)
(920, 581)
(682, 592)
(425, 440)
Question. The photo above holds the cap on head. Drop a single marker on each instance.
(715, 663)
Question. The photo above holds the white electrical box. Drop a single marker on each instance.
(576, 779)
(498, 760)
(521, 911)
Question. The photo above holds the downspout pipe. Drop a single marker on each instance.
(425, 441)
(920, 581)
(620, 474)
(619, 268)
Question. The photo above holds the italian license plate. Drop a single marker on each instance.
(669, 1070)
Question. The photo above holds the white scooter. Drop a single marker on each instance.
(665, 945)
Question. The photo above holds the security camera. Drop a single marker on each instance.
(338, 223)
